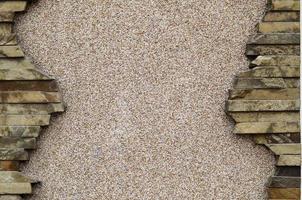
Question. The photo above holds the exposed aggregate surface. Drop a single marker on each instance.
(145, 84)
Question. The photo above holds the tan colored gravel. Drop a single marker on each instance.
(145, 84)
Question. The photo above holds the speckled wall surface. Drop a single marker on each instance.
(145, 84)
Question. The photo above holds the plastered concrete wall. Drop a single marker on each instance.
(145, 84)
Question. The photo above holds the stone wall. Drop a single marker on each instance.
(145, 84)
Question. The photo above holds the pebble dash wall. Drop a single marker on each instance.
(142, 146)
(265, 99)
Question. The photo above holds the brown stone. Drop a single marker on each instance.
(19, 131)
(272, 72)
(24, 120)
(13, 154)
(7, 16)
(267, 83)
(10, 197)
(265, 116)
(8, 39)
(47, 86)
(286, 38)
(289, 160)
(288, 171)
(9, 165)
(13, 6)
(17, 142)
(11, 52)
(284, 138)
(266, 127)
(265, 94)
(284, 182)
(279, 27)
(285, 149)
(22, 74)
(267, 49)
(31, 109)
(284, 193)
(286, 5)
(273, 60)
(15, 188)
(282, 16)
(262, 105)
(29, 97)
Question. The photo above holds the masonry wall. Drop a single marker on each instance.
(145, 84)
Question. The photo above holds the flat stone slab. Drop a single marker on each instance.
(266, 127)
(13, 6)
(267, 83)
(13, 154)
(262, 105)
(8, 165)
(265, 116)
(282, 16)
(47, 86)
(285, 149)
(286, 38)
(23, 74)
(8, 39)
(288, 171)
(18, 63)
(284, 182)
(31, 109)
(10, 197)
(289, 160)
(272, 72)
(29, 97)
(284, 193)
(13, 142)
(19, 131)
(7, 16)
(11, 52)
(265, 94)
(279, 27)
(6, 28)
(286, 5)
(269, 49)
(276, 61)
(15, 188)
(283, 138)
(14, 177)
(24, 120)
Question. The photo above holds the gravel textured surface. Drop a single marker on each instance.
(145, 84)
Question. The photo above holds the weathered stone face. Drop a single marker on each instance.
(273, 39)
(289, 160)
(284, 182)
(265, 94)
(27, 98)
(285, 149)
(282, 17)
(268, 49)
(276, 61)
(287, 5)
(265, 116)
(265, 102)
(272, 72)
(284, 193)
(279, 27)
(12, 6)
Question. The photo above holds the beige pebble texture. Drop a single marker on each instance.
(145, 83)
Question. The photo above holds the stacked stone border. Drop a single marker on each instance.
(28, 97)
(265, 100)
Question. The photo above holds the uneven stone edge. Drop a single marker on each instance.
(265, 101)
(28, 97)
